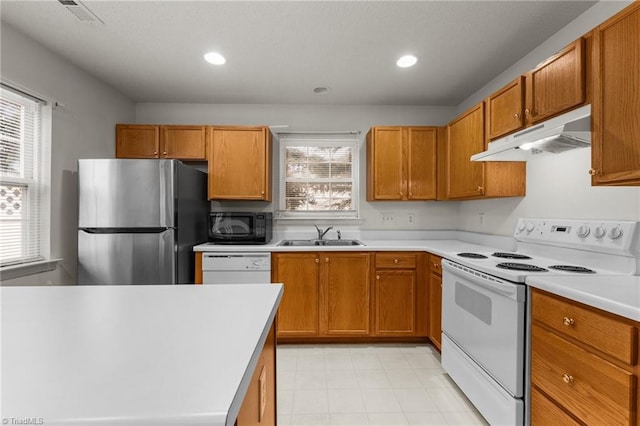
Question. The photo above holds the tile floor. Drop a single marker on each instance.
(368, 384)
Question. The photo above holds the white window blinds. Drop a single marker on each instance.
(21, 178)
(318, 176)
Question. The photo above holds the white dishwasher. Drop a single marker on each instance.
(236, 268)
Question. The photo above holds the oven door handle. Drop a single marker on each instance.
(486, 281)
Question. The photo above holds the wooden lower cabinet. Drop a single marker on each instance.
(298, 314)
(575, 370)
(400, 294)
(346, 295)
(435, 300)
(259, 404)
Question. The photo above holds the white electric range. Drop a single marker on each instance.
(484, 303)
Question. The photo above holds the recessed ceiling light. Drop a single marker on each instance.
(407, 61)
(321, 90)
(214, 58)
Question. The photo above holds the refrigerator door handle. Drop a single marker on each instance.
(124, 230)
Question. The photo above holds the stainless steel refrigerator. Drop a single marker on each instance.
(138, 221)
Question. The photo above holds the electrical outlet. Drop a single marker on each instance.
(411, 218)
(481, 218)
(388, 219)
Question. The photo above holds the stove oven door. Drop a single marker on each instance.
(485, 317)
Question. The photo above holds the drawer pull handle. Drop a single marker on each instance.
(567, 378)
(568, 321)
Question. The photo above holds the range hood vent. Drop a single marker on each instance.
(567, 131)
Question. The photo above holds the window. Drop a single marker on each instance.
(318, 177)
(24, 170)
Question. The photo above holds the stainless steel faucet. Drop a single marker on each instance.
(321, 233)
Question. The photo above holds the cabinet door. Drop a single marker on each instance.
(465, 178)
(183, 142)
(395, 302)
(421, 161)
(239, 163)
(556, 85)
(298, 311)
(435, 317)
(385, 180)
(345, 295)
(137, 141)
(616, 100)
(505, 109)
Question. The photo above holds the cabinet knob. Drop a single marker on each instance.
(164, 153)
(261, 192)
(435, 265)
(480, 189)
(155, 152)
(527, 111)
(594, 172)
(377, 277)
(317, 260)
(516, 116)
(568, 321)
(567, 378)
(326, 259)
(400, 194)
(395, 260)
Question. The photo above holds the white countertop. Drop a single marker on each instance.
(142, 355)
(618, 294)
(442, 248)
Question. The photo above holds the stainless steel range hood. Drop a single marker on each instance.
(562, 133)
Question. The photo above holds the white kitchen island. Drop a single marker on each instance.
(131, 355)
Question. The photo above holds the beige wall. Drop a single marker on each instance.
(82, 128)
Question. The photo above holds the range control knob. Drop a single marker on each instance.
(530, 227)
(521, 226)
(599, 232)
(583, 231)
(615, 233)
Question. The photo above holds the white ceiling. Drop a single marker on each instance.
(278, 51)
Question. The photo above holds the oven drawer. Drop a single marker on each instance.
(592, 389)
(395, 260)
(600, 330)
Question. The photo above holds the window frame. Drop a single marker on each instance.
(342, 139)
(39, 188)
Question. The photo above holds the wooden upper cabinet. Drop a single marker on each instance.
(345, 293)
(465, 178)
(137, 141)
(239, 163)
(401, 163)
(421, 163)
(557, 84)
(152, 141)
(183, 142)
(298, 314)
(385, 180)
(505, 109)
(616, 100)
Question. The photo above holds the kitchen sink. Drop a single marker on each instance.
(312, 243)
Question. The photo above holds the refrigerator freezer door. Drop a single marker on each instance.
(116, 193)
(126, 258)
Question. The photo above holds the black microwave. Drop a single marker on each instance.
(240, 227)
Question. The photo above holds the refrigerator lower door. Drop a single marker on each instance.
(126, 258)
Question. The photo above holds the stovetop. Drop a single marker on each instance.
(562, 247)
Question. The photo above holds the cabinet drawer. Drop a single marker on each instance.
(592, 389)
(545, 412)
(395, 260)
(598, 329)
(435, 264)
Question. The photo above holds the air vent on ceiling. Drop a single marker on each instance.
(80, 11)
